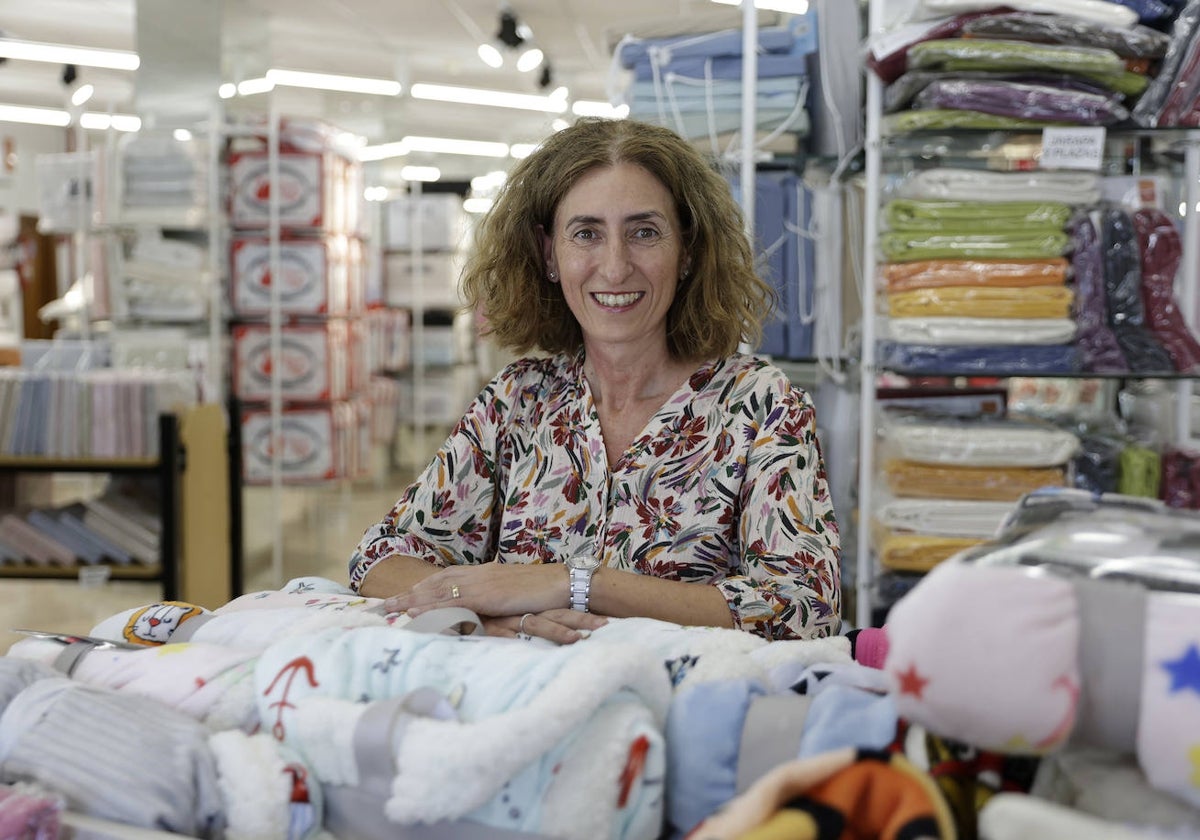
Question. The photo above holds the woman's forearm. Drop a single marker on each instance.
(622, 594)
(395, 575)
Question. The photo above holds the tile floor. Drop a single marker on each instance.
(321, 527)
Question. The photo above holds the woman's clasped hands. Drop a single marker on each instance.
(514, 601)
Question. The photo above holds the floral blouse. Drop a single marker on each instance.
(725, 486)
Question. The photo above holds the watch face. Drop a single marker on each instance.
(584, 562)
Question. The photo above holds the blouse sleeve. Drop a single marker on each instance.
(443, 516)
(790, 585)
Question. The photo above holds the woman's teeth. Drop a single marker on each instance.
(617, 300)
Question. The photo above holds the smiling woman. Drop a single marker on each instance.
(640, 465)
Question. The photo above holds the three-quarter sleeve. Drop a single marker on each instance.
(789, 584)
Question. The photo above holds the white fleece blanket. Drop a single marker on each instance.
(981, 444)
(525, 710)
(952, 184)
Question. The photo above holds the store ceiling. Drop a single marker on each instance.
(410, 40)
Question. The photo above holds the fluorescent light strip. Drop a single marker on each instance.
(482, 96)
(592, 108)
(62, 54)
(449, 146)
(795, 7)
(328, 81)
(61, 119)
(420, 173)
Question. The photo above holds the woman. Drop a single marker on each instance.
(644, 445)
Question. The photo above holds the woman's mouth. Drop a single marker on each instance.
(617, 301)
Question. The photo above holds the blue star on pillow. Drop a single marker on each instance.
(1184, 671)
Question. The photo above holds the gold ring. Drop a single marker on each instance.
(521, 634)
(454, 593)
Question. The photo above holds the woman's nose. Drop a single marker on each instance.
(615, 263)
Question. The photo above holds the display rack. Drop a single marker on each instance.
(1184, 143)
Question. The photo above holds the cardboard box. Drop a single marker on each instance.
(314, 363)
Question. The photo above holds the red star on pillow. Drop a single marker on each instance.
(911, 682)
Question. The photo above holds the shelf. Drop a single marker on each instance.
(32, 571)
(114, 465)
(987, 374)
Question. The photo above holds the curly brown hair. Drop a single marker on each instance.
(720, 303)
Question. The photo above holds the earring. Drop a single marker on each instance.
(551, 276)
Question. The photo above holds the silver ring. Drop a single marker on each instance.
(454, 593)
(521, 634)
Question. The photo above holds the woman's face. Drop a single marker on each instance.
(617, 250)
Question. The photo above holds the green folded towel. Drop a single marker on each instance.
(980, 216)
(905, 247)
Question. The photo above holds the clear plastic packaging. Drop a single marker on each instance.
(960, 184)
(931, 274)
(982, 302)
(1128, 42)
(938, 215)
(1023, 101)
(980, 331)
(905, 245)
(938, 481)
(988, 360)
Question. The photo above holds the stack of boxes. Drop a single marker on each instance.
(323, 366)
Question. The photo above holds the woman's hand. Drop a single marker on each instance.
(563, 625)
(493, 589)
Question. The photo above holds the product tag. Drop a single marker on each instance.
(1073, 148)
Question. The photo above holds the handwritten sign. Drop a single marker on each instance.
(1073, 148)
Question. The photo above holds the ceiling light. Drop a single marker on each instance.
(34, 116)
(420, 173)
(227, 90)
(182, 135)
(795, 7)
(82, 94)
(382, 151)
(250, 87)
(117, 122)
(590, 108)
(491, 56)
(522, 150)
(477, 205)
(376, 194)
(450, 146)
(329, 81)
(62, 54)
(481, 96)
(531, 59)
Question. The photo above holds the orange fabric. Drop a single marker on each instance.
(882, 799)
(929, 274)
(920, 552)
(991, 484)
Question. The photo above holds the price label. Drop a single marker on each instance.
(1073, 148)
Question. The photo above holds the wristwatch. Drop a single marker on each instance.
(580, 568)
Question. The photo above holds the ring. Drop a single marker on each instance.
(454, 593)
(521, 634)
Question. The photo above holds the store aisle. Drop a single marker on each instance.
(322, 526)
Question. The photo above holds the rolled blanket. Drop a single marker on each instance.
(991, 360)
(983, 302)
(1009, 443)
(936, 119)
(980, 331)
(1023, 101)
(1161, 252)
(1123, 287)
(1098, 346)
(951, 184)
(1003, 484)
(933, 274)
(119, 757)
(944, 517)
(1099, 11)
(906, 214)
(1128, 42)
(920, 552)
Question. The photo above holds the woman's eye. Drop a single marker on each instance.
(645, 233)
(584, 234)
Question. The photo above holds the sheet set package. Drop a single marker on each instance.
(784, 255)
(692, 82)
(318, 276)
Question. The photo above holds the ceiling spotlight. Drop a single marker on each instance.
(546, 79)
(70, 73)
(491, 56)
(508, 33)
(82, 94)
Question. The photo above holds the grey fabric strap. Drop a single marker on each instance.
(185, 631)
(68, 658)
(1112, 630)
(445, 619)
(770, 735)
(356, 813)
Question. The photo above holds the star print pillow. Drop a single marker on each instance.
(1168, 737)
(988, 655)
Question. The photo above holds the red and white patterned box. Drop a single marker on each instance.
(315, 362)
